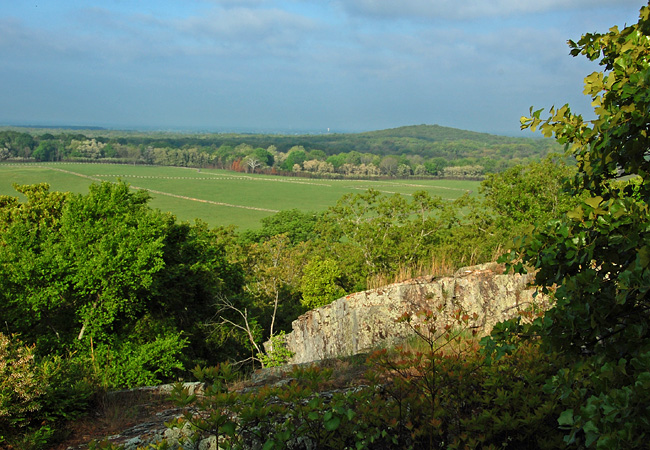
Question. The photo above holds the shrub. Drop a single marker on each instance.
(277, 354)
(130, 364)
(446, 395)
(36, 396)
(22, 387)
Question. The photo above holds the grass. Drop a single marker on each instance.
(218, 197)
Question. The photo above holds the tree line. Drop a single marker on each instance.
(404, 152)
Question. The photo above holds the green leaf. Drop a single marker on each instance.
(591, 433)
(576, 214)
(644, 256)
(566, 418)
(332, 424)
(594, 201)
(229, 428)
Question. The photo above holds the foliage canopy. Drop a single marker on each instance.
(596, 259)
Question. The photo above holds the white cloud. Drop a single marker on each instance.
(466, 9)
(244, 23)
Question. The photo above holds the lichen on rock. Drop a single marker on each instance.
(365, 320)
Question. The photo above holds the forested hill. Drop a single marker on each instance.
(437, 141)
(436, 133)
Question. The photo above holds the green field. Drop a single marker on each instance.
(218, 197)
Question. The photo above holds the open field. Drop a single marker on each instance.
(218, 197)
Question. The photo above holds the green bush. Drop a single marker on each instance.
(278, 354)
(22, 387)
(36, 396)
(130, 364)
(321, 283)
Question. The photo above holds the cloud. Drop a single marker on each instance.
(465, 9)
(293, 62)
(238, 3)
(249, 24)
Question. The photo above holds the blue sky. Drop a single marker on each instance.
(294, 65)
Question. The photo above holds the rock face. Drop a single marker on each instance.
(366, 320)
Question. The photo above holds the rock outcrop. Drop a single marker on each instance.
(365, 320)
(355, 324)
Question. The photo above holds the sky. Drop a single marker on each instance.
(295, 66)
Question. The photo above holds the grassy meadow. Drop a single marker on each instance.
(217, 197)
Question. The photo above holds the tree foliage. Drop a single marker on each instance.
(107, 278)
(390, 231)
(596, 259)
(321, 283)
(528, 194)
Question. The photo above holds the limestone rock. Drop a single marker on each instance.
(365, 320)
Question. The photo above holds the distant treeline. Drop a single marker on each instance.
(423, 150)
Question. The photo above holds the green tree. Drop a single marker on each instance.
(297, 225)
(319, 155)
(390, 232)
(264, 156)
(196, 273)
(297, 155)
(596, 259)
(336, 160)
(436, 165)
(46, 151)
(113, 243)
(271, 301)
(104, 276)
(523, 195)
(321, 283)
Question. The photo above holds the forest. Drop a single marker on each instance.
(99, 291)
(421, 151)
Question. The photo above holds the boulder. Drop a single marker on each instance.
(366, 320)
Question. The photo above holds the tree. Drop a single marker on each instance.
(196, 273)
(596, 258)
(46, 151)
(336, 160)
(390, 232)
(106, 278)
(435, 166)
(298, 226)
(296, 156)
(319, 155)
(265, 156)
(388, 165)
(273, 268)
(523, 195)
(253, 163)
(403, 170)
(321, 283)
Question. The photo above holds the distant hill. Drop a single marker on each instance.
(430, 141)
(436, 133)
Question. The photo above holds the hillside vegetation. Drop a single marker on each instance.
(100, 291)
